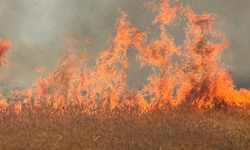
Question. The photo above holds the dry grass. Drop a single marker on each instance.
(158, 130)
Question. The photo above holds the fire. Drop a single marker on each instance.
(4, 49)
(198, 80)
(40, 70)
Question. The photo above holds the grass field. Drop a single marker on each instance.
(205, 110)
(157, 130)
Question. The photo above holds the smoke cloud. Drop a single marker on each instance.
(38, 30)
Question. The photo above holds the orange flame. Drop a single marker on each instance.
(40, 70)
(198, 80)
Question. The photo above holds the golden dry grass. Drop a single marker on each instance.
(122, 130)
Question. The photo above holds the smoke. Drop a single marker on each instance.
(38, 30)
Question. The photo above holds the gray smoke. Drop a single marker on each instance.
(38, 30)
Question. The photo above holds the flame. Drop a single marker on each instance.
(199, 80)
(40, 70)
(4, 49)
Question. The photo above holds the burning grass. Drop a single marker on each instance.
(191, 104)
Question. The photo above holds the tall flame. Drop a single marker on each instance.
(199, 79)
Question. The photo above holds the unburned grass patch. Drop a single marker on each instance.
(176, 129)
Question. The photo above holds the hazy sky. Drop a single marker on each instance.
(38, 29)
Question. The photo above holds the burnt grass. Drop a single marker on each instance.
(177, 129)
